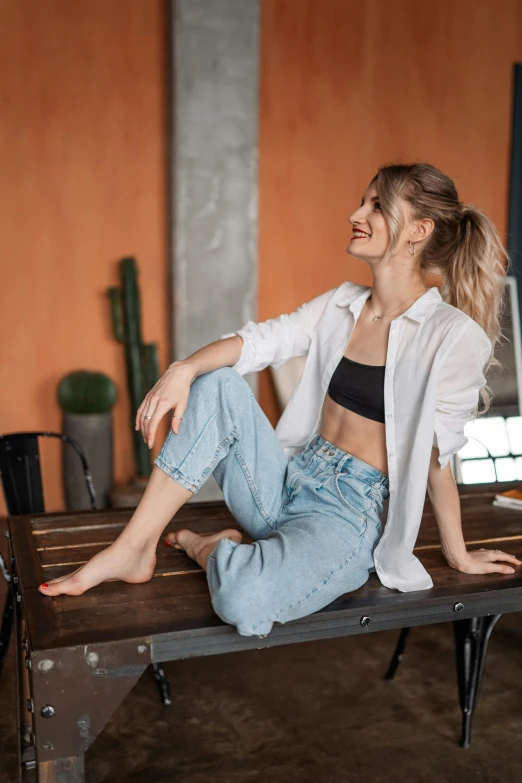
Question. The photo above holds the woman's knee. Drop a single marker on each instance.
(225, 387)
(220, 375)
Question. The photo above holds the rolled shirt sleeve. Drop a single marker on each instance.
(460, 379)
(275, 341)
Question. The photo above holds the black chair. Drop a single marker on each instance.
(21, 479)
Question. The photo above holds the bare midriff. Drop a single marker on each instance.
(349, 431)
(362, 437)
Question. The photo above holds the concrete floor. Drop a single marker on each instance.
(318, 712)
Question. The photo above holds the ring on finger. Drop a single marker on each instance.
(147, 417)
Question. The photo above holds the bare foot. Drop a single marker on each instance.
(199, 547)
(121, 560)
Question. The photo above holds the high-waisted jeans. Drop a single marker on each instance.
(314, 517)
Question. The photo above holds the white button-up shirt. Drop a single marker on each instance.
(434, 372)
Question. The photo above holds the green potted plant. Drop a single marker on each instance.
(87, 399)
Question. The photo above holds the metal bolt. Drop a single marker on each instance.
(47, 711)
(142, 648)
(6, 533)
(458, 607)
(27, 663)
(25, 644)
(30, 705)
(18, 597)
(365, 621)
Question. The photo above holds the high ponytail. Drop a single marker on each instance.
(464, 248)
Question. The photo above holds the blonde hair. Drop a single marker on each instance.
(464, 248)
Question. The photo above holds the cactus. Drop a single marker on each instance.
(84, 391)
(141, 359)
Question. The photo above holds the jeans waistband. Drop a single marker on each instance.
(340, 458)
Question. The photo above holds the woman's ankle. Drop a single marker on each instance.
(137, 541)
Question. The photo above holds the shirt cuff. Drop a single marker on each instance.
(447, 442)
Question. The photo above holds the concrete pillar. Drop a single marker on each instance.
(214, 160)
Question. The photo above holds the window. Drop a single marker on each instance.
(493, 452)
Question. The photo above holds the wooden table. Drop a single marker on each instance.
(81, 655)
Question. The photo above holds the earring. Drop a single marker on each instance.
(410, 247)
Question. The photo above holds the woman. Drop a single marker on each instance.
(392, 375)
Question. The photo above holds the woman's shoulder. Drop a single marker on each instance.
(457, 327)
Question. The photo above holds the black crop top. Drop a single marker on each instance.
(359, 387)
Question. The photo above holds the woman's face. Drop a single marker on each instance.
(370, 232)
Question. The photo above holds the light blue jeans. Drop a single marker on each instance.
(313, 517)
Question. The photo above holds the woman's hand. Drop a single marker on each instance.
(483, 561)
(170, 392)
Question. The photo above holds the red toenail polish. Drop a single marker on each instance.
(44, 586)
(167, 543)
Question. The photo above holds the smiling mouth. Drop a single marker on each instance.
(360, 235)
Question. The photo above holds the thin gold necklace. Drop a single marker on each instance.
(378, 317)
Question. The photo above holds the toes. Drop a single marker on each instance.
(235, 535)
(67, 586)
(171, 540)
(184, 538)
(50, 590)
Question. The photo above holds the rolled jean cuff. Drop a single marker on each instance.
(177, 475)
(225, 546)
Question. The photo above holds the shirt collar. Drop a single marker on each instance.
(419, 310)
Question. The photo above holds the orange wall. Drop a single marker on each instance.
(345, 86)
(83, 150)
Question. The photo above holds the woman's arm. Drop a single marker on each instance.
(221, 353)
(258, 345)
(460, 379)
(172, 390)
(445, 500)
(459, 383)
(275, 341)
